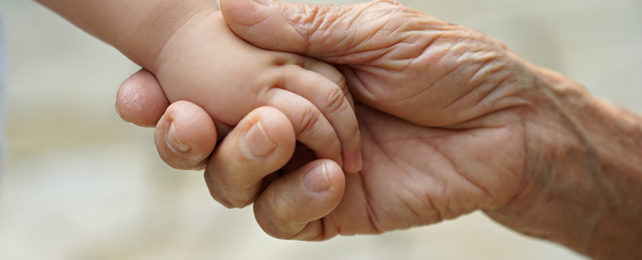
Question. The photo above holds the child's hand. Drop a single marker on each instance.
(205, 63)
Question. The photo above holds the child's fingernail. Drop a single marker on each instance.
(256, 141)
(174, 143)
(317, 179)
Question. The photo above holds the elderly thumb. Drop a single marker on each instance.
(321, 31)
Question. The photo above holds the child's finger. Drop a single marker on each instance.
(261, 143)
(330, 100)
(329, 72)
(185, 136)
(312, 128)
(141, 100)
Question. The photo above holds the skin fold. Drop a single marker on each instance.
(451, 122)
(433, 101)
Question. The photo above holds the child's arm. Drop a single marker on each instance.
(138, 28)
(195, 56)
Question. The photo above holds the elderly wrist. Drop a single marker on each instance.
(580, 151)
(557, 157)
(616, 138)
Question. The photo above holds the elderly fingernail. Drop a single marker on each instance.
(174, 143)
(317, 179)
(256, 142)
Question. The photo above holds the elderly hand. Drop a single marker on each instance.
(416, 73)
(451, 120)
(395, 59)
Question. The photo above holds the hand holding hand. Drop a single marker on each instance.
(395, 59)
(422, 73)
(205, 63)
(427, 174)
(452, 121)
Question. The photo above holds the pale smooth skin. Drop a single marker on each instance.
(451, 120)
(196, 57)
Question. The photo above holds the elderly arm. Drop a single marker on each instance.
(586, 158)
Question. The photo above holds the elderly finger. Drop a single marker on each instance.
(259, 145)
(292, 207)
(185, 136)
(321, 31)
(141, 100)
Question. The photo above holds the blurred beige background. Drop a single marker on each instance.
(78, 183)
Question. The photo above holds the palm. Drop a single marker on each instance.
(427, 174)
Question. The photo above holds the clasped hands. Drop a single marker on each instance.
(442, 112)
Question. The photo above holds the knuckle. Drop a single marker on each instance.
(308, 120)
(238, 203)
(225, 203)
(311, 17)
(285, 59)
(180, 161)
(240, 198)
(314, 22)
(276, 232)
(340, 80)
(226, 194)
(281, 212)
(335, 100)
(231, 201)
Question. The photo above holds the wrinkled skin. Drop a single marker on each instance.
(441, 111)
(399, 61)
(417, 73)
(415, 175)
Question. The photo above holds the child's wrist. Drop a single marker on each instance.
(160, 26)
(139, 29)
(165, 46)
